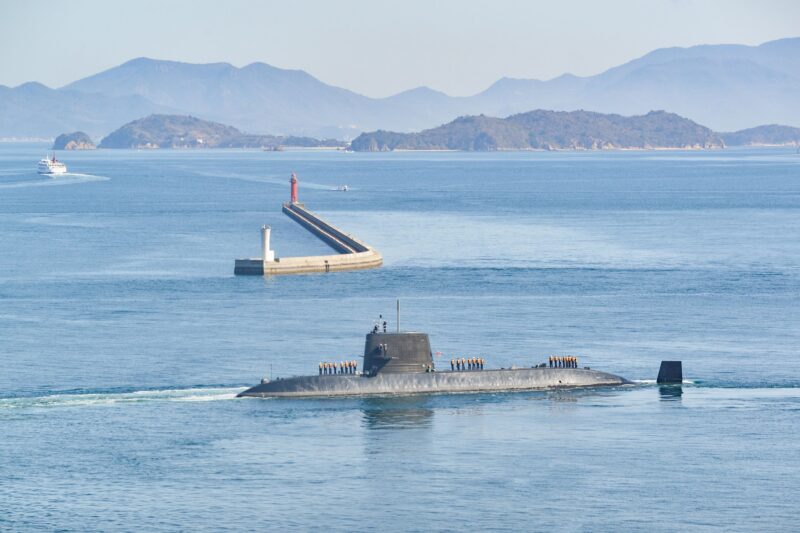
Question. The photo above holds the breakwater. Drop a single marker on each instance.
(352, 253)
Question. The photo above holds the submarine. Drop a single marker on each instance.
(398, 363)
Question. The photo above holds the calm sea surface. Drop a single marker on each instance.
(124, 337)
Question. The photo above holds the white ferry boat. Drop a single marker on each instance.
(49, 165)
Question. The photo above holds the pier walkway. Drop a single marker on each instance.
(352, 253)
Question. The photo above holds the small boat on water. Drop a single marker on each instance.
(343, 188)
(51, 166)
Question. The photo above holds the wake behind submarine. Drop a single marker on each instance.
(402, 363)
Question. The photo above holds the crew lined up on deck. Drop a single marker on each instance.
(342, 367)
(563, 362)
(470, 363)
(376, 328)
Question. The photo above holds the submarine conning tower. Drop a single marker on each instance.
(391, 353)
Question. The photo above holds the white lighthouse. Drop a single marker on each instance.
(266, 253)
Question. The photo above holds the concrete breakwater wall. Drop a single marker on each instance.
(353, 254)
(335, 238)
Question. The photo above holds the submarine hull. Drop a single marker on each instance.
(518, 379)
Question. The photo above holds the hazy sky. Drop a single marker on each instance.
(374, 47)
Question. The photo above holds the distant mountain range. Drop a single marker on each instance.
(726, 87)
(549, 130)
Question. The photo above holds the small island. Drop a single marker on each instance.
(767, 135)
(550, 130)
(181, 131)
(76, 140)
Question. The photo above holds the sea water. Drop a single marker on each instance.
(124, 338)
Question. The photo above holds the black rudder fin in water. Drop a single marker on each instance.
(670, 372)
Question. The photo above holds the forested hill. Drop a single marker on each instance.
(549, 130)
(767, 135)
(179, 131)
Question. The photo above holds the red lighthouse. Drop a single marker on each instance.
(293, 181)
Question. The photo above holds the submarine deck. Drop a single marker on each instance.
(490, 380)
